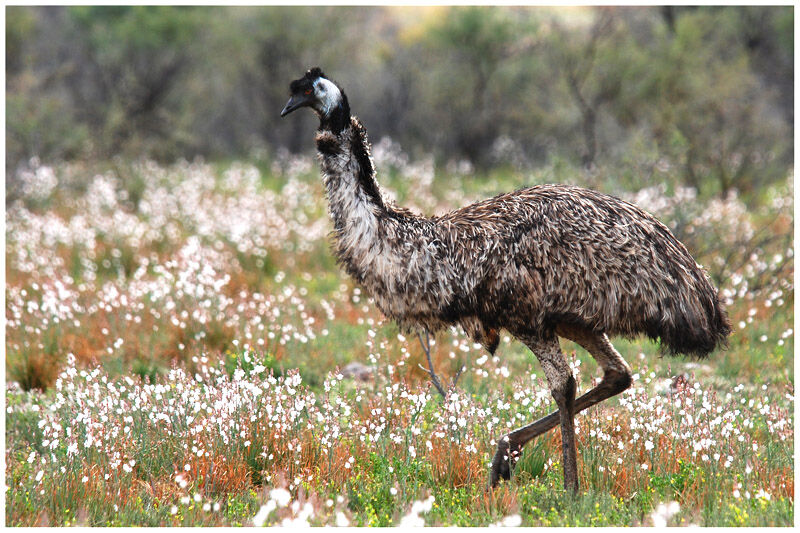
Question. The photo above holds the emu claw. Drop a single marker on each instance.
(503, 461)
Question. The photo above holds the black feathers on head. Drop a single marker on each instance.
(306, 81)
(315, 73)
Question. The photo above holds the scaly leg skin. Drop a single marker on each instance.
(562, 387)
(565, 399)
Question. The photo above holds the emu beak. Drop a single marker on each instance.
(293, 103)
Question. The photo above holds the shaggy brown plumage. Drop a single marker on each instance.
(540, 262)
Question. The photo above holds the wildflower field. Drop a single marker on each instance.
(182, 349)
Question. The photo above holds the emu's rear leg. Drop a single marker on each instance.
(616, 378)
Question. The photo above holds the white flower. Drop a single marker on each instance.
(282, 497)
(263, 513)
(763, 494)
(413, 518)
(663, 513)
(513, 520)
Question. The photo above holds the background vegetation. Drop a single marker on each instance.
(708, 90)
(182, 349)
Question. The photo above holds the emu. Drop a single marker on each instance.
(542, 262)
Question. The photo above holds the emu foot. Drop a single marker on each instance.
(504, 460)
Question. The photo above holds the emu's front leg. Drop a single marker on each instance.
(562, 387)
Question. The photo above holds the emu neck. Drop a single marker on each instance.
(337, 118)
(398, 257)
(354, 200)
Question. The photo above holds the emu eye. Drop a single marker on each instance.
(308, 91)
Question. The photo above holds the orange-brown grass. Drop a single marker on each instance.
(452, 466)
(500, 501)
(42, 519)
(782, 482)
(36, 371)
(219, 473)
(330, 468)
(85, 347)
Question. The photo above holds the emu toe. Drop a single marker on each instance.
(503, 461)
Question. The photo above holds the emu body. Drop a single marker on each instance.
(540, 262)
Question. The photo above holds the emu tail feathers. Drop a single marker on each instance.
(696, 323)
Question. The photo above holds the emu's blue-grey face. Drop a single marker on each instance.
(313, 90)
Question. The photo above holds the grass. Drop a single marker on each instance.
(175, 336)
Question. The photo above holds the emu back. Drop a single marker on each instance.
(553, 254)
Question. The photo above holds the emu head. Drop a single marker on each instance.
(319, 93)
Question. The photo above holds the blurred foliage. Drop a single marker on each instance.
(134, 59)
(707, 90)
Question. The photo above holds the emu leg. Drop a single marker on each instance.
(616, 378)
(510, 446)
(565, 399)
(562, 387)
